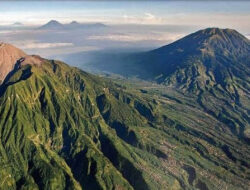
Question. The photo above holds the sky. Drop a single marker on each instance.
(233, 14)
(131, 25)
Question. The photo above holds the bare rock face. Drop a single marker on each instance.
(9, 55)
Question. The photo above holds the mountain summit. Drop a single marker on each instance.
(212, 55)
(10, 55)
(210, 41)
(213, 64)
(51, 25)
(74, 23)
(16, 24)
(199, 61)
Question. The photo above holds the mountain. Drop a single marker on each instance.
(99, 25)
(74, 24)
(212, 64)
(10, 56)
(16, 24)
(55, 25)
(220, 53)
(77, 25)
(52, 25)
(63, 128)
(207, 57)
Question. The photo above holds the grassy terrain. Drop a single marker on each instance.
(62, 128)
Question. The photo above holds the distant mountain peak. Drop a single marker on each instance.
(74, 22)
(17, 24)
(55, 25)
(52, 24)
(100, 24)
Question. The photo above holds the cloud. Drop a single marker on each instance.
(152, 19)
(39, 45)
(136, 37)
(48, 50)
(150, 16)
(146, 18)
(5, 31)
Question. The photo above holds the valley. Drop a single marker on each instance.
(181, 123)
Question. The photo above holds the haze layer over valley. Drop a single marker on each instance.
(80, 36)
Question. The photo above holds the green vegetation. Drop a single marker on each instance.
(62, 128)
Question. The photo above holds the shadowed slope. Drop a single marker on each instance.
(10, 55)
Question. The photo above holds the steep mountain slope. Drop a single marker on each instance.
(213, 64)
(50, 121)
(208, 57)
(9, 56)
(205, 58)
(62, 128)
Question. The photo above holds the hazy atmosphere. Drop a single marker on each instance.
(119, 26)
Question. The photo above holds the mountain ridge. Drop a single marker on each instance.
(213, 64)
(55, 25)
(63, 128)
(216, 66)
(158, 64)
(207, 42)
